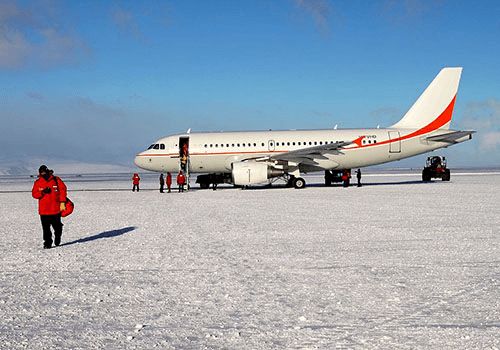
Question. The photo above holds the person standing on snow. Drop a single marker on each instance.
(169, 181)
(51, 194)
(181, 181)
(358, 176)
(135, 182)
(162, 183)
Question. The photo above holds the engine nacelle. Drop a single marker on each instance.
(252, 173)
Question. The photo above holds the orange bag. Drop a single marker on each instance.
(69, 208)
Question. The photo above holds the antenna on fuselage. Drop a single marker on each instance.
(335, 127)
(188, 131)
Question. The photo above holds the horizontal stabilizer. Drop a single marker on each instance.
(452, 137)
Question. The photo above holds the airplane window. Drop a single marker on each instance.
(162, 146)
(206, 145)
(262, 144)
(151, 146)
(315, 142)
(216, 145)
(227, 144)
(232, 145)
(238, 144)
(299, 143)
(288, 143)
(243, 144)
(293, 143)
(157, 146)
(211, 145)
(321, 142)
(254, 144)
(310, 143)
(374, 141)
(369, 141)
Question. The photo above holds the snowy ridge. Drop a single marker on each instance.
(30, 166)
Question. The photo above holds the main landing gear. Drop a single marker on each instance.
(296, 182)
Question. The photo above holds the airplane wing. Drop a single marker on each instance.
(310, 154)
(451, 137)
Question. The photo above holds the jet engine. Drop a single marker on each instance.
(251, 173)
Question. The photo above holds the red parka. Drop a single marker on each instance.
(169, 180)
(136, 179)
(49, 203)
(181, 179)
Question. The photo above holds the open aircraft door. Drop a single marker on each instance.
(184, 157)
(395, 142)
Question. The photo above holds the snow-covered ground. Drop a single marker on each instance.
(394, 264)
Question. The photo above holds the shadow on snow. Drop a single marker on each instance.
(105, 234)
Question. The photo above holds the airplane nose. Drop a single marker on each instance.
(139, 161)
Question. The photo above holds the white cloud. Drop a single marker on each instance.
(33, 35)
(14, 48)
(319, 10)
(489, 140)
(484, 117)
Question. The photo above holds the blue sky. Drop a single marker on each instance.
(97, 81)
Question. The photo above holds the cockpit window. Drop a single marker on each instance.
(157, 146)
(162, 146)
(151, 146)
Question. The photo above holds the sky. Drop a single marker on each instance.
(98, 81)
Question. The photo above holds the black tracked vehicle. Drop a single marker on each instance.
(435, 168)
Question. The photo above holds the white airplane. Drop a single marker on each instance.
(257, 157)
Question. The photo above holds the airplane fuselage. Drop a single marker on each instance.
(214, 152)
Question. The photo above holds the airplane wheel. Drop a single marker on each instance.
(446, 175)
(299, 182)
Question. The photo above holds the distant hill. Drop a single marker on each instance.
(30, 166)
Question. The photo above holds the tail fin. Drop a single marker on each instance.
(434, 107)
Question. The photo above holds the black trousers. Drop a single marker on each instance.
(55, 222)
(135, 187)
(162, 186)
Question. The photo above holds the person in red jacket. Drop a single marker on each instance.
(51, 192)
(135, 182)
(181, 181)
(169, 181)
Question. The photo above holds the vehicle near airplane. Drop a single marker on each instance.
(246, 158)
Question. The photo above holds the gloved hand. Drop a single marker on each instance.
(47, 190)
(62, 206)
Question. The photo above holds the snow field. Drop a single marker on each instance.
(393, 264)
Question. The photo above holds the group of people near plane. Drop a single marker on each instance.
(167, 180)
